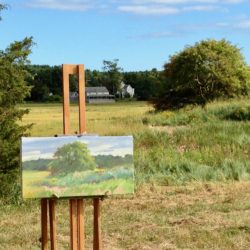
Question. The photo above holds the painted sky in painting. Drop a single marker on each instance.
(142, 34)
(34, 148)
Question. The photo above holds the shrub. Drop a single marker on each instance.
(206, 71)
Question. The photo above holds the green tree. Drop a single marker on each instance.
(112, 75)
(70, 158)
(146, 83)
(206, 71)
(94, 78)
(13, 90)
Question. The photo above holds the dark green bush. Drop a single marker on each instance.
(53, 98)
(233, 112)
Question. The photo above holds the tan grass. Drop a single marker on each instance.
(194, 216)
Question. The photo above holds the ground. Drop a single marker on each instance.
(197, 216)
(163, 214)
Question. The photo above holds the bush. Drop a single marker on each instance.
(53, 98)
(240, 114)
(206, 71)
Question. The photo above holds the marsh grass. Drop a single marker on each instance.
(198, 144)
(192, 176)
(192, 144)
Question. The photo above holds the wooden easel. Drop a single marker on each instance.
(77, 239)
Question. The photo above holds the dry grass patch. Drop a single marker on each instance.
(196, 216)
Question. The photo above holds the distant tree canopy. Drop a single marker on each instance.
(147, 84)
(110, 161)
(112, 75)
(206, 71)
(46, 81)
(70, 158)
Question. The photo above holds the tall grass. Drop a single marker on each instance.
(192, 147)
(211, 144)
(192, 144)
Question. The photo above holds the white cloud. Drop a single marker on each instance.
(175, 2)
(72, 5)
(170, 7)
(200, 8)
(160, 10)
(243, 25)
(148, 10)
(141, 7)
(35, 155)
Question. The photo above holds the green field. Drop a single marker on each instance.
(41, 184)
(192, 170)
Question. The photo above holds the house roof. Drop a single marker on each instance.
(96, 89)
(93, 92)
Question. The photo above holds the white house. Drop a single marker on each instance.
(126, 90)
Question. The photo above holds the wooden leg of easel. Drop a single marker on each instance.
(44, 223)
(80, 224)
(97, 225)
(52, 220)
(73, 224)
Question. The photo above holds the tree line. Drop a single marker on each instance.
(46, 81)
(208, 70)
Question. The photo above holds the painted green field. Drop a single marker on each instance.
(192, 170)
(86, 183)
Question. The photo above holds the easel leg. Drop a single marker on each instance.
(80, 224)
(73, 224)
(97, 224)
(52, 220)
(44, 223)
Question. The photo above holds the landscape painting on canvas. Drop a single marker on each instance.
(72, 166)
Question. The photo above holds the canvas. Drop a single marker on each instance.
(72, 166)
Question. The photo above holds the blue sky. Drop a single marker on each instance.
(142, 34)
(34, 148)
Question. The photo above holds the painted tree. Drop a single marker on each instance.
(13, 90)
(72, 157)
(206, 71)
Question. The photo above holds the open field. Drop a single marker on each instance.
(192, 174)
(102, 120)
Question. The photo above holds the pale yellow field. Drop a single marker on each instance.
(109, 119)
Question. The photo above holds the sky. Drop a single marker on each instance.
(142, 34)
(34, 148)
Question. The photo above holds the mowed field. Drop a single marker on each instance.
(192, 179)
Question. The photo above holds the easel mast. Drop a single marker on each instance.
(76, 206)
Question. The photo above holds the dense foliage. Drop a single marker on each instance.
(147, 84)
(40, 164)
(70, 158)
(112, 76)
(206, 71)
(13, 90)
(110, 161)
(46, 81)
